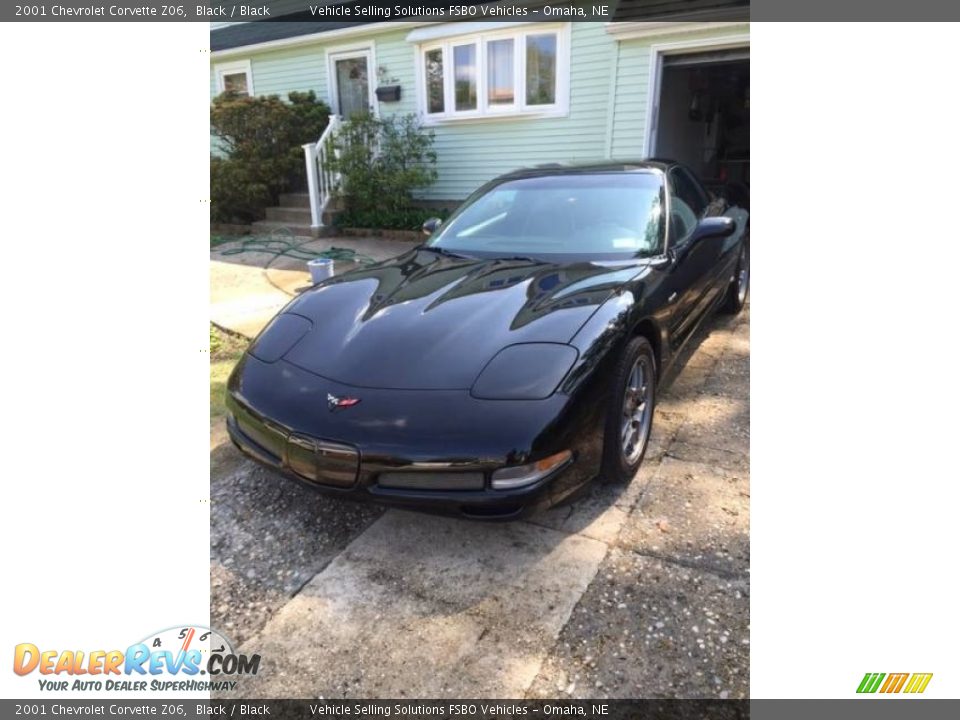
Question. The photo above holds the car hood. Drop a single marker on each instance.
(430, 321)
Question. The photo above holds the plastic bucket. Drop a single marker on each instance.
(320, 269)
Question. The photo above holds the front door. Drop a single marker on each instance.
(694, 261)
(351, 83)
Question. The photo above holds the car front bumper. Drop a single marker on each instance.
(280, 418)
(481, 504)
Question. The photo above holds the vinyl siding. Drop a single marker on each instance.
(472, 152)
(607, 111)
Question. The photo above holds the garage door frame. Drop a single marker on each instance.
(680, 47)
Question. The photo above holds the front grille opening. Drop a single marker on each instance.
(431, 480)
(496, 512)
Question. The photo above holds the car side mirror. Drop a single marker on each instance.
(430, 226)
(718, 226)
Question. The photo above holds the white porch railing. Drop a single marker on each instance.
(322, 182)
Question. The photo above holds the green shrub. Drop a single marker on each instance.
(261, 138)
(382, 161)
(236, 196)
(355, 159)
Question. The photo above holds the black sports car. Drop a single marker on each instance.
(508, 360)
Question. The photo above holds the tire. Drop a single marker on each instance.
(739, 287)
(621, 460)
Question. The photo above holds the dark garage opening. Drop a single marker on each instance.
(704, 113)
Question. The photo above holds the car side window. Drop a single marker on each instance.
(687, 189)
(682, 220)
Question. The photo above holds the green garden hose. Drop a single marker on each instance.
(277, 245)
(282, 243)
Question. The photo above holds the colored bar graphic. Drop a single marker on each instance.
(918, 682)
(870, 682)
(903, 679)
(894, 682)
(915, 683)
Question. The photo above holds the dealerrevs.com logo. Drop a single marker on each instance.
(910, 683)
(182, 659)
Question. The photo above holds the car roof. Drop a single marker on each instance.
(625, 166)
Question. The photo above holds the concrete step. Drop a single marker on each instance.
(297, 200)
(295, 215)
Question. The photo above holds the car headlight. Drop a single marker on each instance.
(528, 371)
(521, 475)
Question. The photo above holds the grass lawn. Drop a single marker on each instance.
(225, 350)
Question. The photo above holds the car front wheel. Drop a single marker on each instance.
(630, 412)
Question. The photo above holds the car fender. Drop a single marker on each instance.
(599, 341)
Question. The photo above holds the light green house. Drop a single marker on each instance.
(504, 95)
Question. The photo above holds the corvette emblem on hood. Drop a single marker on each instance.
(335, 403)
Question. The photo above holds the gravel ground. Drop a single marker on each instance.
(638, 590)
(652, 628)
(668, 612)
(268, 538)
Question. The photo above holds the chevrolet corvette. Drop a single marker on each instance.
(507, 361)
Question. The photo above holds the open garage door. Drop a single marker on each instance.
(703, 113)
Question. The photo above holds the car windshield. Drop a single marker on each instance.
(601, 216)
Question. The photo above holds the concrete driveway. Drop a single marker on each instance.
(248, 288)
(636, 590)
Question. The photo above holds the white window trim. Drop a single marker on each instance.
(234, 68)
(345, 52)
(484, 111)
(432, 32)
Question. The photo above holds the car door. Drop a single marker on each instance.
(693, 269)
(723, 250)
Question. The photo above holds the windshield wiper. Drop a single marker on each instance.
(520, 258)
(505, 258)
(448, 253)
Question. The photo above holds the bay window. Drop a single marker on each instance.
(516, 72)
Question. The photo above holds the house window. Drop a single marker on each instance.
(465, 77)
(542, 69)
(500, 72)
(236, 83)
(514, 72)
(235, 78)
(433, 69)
